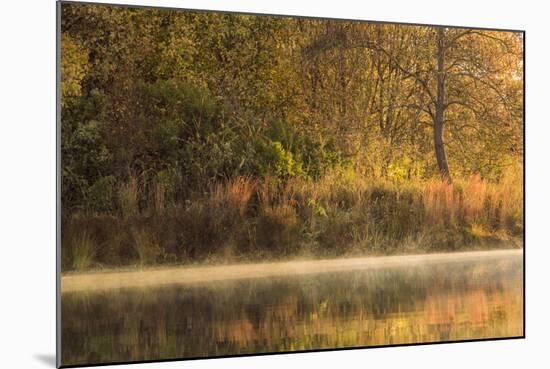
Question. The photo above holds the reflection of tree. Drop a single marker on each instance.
(381, 307)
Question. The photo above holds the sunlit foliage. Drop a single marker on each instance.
(159, 107)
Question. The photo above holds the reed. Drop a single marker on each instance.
(83, 251)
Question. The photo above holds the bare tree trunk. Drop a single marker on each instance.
(439, 119)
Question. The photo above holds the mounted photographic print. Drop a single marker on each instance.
(242, 184)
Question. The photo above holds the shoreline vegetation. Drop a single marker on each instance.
(342, 215)
(202, 137)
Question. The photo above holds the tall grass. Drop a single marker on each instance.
(342, 213)
(146, 246)
(83, 251)
(232, 196)
(128, 195)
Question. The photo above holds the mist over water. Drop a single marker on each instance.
(409, 304)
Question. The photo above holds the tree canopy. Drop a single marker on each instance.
(188, 98)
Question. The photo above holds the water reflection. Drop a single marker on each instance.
(449, 301)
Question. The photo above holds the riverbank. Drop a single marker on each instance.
(79, 282)
(342, 214)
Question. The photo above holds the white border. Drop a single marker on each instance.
(27, 183)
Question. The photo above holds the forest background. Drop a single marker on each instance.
(194, 136)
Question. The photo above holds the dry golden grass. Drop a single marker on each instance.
(146, 246)
(128, 195)
(441, 203)
(159, 196)
(342, 213)
(474, 198)
(233, 194)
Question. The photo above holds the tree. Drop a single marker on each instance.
(447, 67)
(204, 95)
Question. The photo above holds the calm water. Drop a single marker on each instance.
(446, 301)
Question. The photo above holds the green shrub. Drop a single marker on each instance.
(273, 159)
(100, 194)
